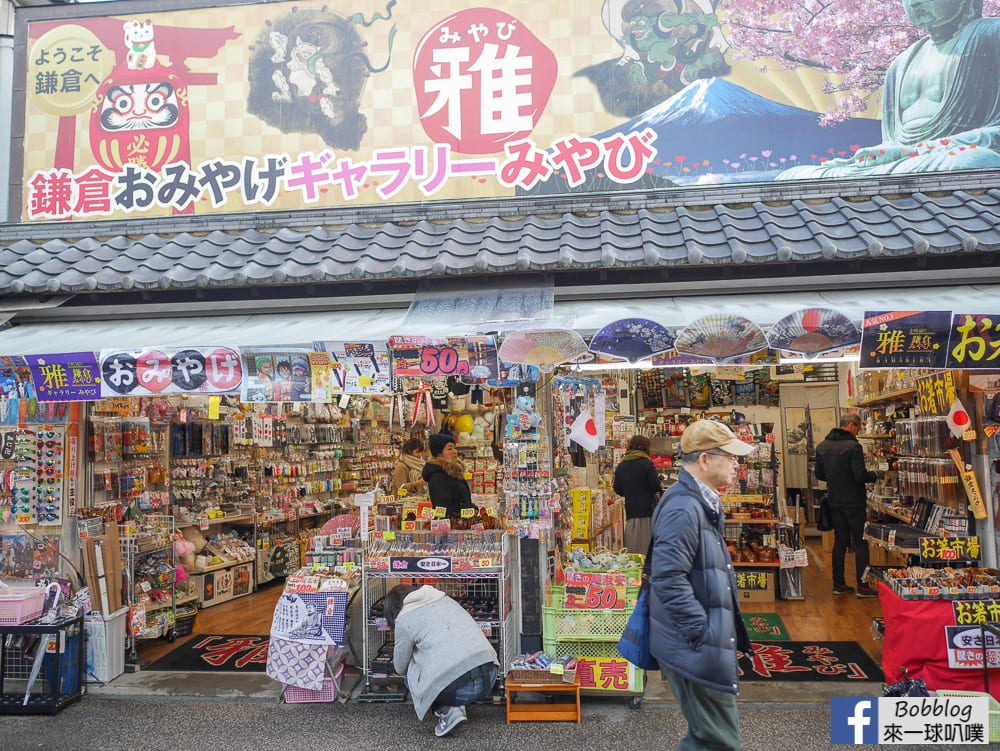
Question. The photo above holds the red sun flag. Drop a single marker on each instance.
(958, 419)
(584, 431)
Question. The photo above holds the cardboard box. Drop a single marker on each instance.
(755, 594)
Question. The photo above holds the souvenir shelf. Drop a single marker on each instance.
(475, 573)
(34, 475)
(225, 568)
(147, 551)
(929, 489)
(128, 457)
(752, 523)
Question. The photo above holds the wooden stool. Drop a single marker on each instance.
(569, 712)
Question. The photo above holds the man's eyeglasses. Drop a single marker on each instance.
(731, 457)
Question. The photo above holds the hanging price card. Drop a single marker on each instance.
(416, 356)
(589, 591)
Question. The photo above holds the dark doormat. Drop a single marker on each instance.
(809, 661)
(211, 652)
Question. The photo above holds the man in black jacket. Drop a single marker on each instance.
(840, 463)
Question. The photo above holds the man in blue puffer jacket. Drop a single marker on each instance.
(694, 613)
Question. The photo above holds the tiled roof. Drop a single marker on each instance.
(750, 226)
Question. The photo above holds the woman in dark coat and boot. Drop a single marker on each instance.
(636, 479)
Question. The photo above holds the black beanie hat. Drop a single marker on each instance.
(438, 441)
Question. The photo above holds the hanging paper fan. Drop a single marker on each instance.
(721, 337)
(544, 348)
(632, 339)
(813, 330)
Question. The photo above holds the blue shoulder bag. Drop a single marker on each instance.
(634, 643)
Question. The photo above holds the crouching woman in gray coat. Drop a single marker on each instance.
(439, 647)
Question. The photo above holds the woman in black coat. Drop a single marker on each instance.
(444, 474)
(637, 480)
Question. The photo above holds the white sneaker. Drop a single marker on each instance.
(449, 721)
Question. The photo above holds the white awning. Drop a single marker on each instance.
(219, 330)
(583, 315)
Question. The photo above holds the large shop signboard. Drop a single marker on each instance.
(319, 103)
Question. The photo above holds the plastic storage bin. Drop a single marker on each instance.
(20, 604)
(105, 645)
(329, 692)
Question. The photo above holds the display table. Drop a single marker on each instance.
(915, 639)
(534, 712)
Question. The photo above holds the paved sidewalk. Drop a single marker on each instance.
(259, 687)
(158, 724)
(173, 711)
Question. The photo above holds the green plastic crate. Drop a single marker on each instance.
(584, 625)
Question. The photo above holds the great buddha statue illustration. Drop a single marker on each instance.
(940, 100)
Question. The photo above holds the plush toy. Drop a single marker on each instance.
(194, 536)
(525, 405)
(184, 550)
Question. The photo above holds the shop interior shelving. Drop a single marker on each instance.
(150, 577)
(481, 585)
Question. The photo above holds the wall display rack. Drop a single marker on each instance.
(477, 576)
(929, 499)
(147, 555)
(753, 530)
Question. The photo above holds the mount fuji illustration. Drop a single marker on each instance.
(733, 134)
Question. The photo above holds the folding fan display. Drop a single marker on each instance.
(812, 331)
(721, 337)
(544, 348)
(339, 522)
(632, 339)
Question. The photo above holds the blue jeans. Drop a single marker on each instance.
(470, 687)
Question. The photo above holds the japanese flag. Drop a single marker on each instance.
(958, 419)
(584, 431)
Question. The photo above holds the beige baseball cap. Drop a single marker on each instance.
(709, 435)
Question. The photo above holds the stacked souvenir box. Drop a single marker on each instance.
(484, 475)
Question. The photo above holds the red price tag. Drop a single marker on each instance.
(442, 361)
(604, 597)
